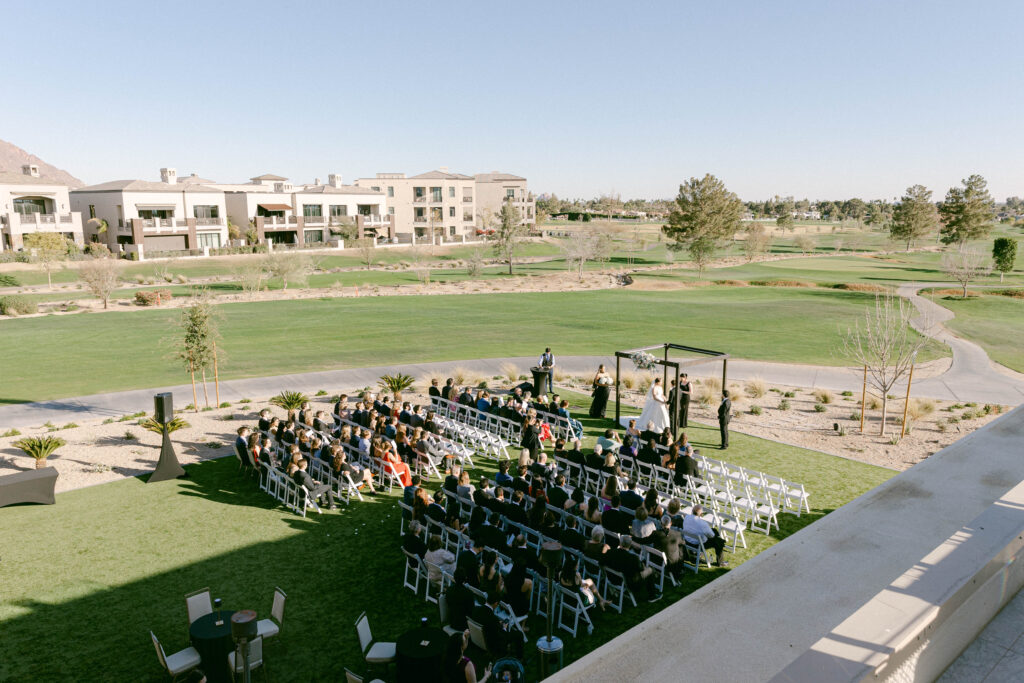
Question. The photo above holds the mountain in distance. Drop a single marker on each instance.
(13, 157)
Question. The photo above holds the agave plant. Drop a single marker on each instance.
(290, 401)
(39, 447)
(396, 384)
(150, 424)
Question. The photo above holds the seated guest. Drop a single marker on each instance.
(242, 445)
(595, 548)
(643, 526)
(315, 488)
(576, 504)
(570, 578)
(384, 408)
(406, 413)
(695, 528)
(521, 483)
(497, 502)
(610, 440)
(446, 391)
(553, 406)
(515, 512)
(503, 478)
(451, 480)
(321, 424)
(417, 418)
(469, 562)
(669, 541)
(267, 454)
(420, 504)
(557, 494)
(291, 455)
(670, 458)
(465, 488)
(489, 573)
(593, 512)
(439, 560)
(610, 489)
(628, 448)
(363, 442)
(537, 510)
(305, 415)
(466, 397)
(482, 402)
(433, 390)
(595, 460)
(495, 633)
(341, 408)
(570, 536)
(409, 492)
(639, 578)
(385, 452)
(615, 519)
(649, 453)
(264, 424)
(391, 429)
(436, 510)
(611, 465)
(518, 586)
(686, 466)
(490, 534)
(360, 476)
(275, 427)
(631, 497)
(482, 495)
(549, 525)
(649, 434)
(412, 542)
(632, 430)
(460, 600)
(651, 504)
(430, 426)
(572, 454)
(541, 469)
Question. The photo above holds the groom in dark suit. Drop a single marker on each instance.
(724, 415)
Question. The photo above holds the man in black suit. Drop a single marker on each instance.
(315, 488)
(481, 496)
(496, 503)
(571, 536)
(557, 495)
(684, 402)
(595, 460)
(242, 445)
(433, 390)
(460, 601)
(638, 577)
(724, 415)
(514, 511)
(669, 541)
(412, 542)
(520, 483)
(469, 562)
(416, 417)
(686, 465)
(436, 509)
(553, 406)
(490, 534)
(267, 455)
(615, 519)
(406, 414)
(631, 498)
(531, 437)
(466, 398)
(498, 639)
(446, 391)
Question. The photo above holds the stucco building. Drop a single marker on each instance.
(31, 203)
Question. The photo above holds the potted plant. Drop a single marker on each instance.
(290, 401)
(39, 447)
(396, 384)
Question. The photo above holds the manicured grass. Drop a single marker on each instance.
(111, 562)
(994, 322)
(125, 350)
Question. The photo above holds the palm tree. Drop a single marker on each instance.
(101, 224)
(396, 384)
(290, 401)
(39, 447)
(150, 424)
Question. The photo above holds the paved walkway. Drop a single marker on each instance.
(971, 377)
(997, 654)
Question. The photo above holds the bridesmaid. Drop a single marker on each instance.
(602, 388)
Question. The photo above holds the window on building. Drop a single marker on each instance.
(451, 191)
(29, 205)
(312, 211)
(467, 195)
(418, 193)
(391, 190)
(156, 213)
(92, 211)
(208, 239)
(467, 216)
(451, 212)
(435, 194)
(338, 210)
(206, 211)
(391, 211)
(510, 193)
(313, 236)
(375, 188)
(421, 213)
(451, 230)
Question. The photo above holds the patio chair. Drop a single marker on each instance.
(198, 604)
(179, 663)
(268, 628)
(374, 652)
(236, 662)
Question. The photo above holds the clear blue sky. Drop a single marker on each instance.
(815, 99)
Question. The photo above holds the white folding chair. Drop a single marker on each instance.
(476, 635)
(617, 590)
(268, 628)
(414, 563)
(573, 603)
(178, 663)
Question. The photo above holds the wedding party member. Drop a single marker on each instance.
(724, 415)
(684, 401)
(602, 390)
(655, 408)
(547, 359)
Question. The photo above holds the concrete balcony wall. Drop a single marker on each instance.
(16, 226)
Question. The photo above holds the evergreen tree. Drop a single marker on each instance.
(967, 212)
(706, 213)
(914, 216)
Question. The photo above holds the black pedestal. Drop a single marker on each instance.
(541, 381)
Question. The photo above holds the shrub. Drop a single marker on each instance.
(39, 447)
(920, 407)
(207, 409)
(952, 419)
(510, 370)
(246, 400)
(847, 393)
(153, 297)
(629, 379)
(321, 392)
(189, 407)
(70, 425)
(228, 417)
(461, 375)
(855, 417)
(873, 403)
(968, 415)
(789, 394)
(18, 304)
(109, 420)
(290, 401)
(819, 408)
(214, 444)
(395, 384)
(941, 426)
(482, 384)
(130, 436)
(755, 410)
(823, 396)
(756, 387)
(11, 432)
(784, 404)
(971, 405)
(9, 281)
(225, 404)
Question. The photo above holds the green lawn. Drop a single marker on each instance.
(994, 322)
(86, 579)
(126, 350)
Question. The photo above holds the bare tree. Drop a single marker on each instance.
(294, 267)
(252, 275)
(885, 343)
(966, 266)
(805, 243)
(475, 263)
(195, 341)
(367, 250)
(586, 245)
(100, 277)
(510, 233)
(756, 242)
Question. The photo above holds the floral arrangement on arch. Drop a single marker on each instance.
(643, 360)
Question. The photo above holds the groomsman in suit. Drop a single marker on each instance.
(724, 415)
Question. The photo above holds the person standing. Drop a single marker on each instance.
(602, 390)
(547, 359)
(684, 402)
(724, 415)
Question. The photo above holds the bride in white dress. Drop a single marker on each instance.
(655, 409)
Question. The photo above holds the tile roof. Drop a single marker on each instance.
(441, 175)
(144, 186)
(496, 177)
(19, 178)
(344, 189)
(268, 176)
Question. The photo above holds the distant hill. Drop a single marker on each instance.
(13, 157)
